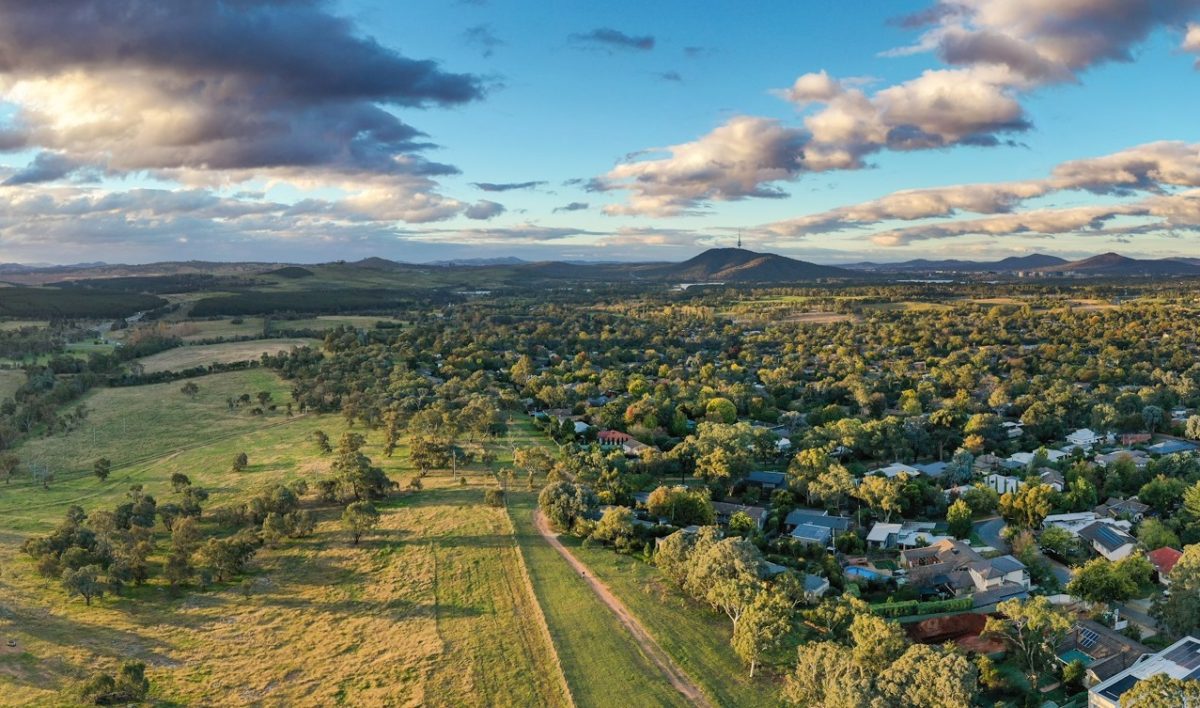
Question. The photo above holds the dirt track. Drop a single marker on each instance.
(650, 648)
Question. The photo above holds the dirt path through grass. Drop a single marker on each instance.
(674, 674)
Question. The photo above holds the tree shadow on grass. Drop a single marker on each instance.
(399, 607)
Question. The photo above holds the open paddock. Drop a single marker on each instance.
(188, 357)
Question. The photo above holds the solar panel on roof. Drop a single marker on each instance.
(1115, 690)
(1187, 655)
(1087, 638)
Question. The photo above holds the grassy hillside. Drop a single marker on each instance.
(137, 425)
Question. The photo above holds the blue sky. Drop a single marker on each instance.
(305, 131)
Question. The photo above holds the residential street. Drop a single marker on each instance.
(989, 531)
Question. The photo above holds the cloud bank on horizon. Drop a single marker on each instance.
(282, 129)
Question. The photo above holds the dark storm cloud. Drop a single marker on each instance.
(616, 39)
(292, 47)
(47, 166)
(506, 186)
(234, 84)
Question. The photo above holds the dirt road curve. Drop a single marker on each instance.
(650, 648)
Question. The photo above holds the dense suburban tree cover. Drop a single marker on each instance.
(655, 407)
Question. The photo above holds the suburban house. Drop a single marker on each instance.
(815, 587)
(1108, 540)
(932, 469)
(1172, 447)
(814, 526)
(994, 573)
(1084, 438)
(634, 448)
(812, 533)
(769, 481)
(612, 438)
(1071, 523)
(1103, 651)
(1116, 508)
(1013, 429)
(1181, 660)
(944, 564)
(987, 462)
(884, 536)
(906, 534)
(896, 469)
(1003, 484)
(726, 511)
(774, 570)
(1054, 478)
(1164, 559)
(1024, 459)
(1139, 458)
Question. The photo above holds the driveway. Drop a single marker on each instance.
(1060, 571)
(1137, 616)
(989, 530)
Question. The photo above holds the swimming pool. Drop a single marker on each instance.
(866, 573)
(1074, 654)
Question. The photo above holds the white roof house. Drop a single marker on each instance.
(1069, 522)
(1181, 660)
(1076, 522)
(884, 535)
(1084, 437)
(897, 468)
(907, 534)
(1024, 458)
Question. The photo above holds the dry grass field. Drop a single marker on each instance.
(432, 609)
(202, 355)
(10, 381)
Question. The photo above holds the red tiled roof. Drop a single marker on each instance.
(1164, 559)
(613, 436)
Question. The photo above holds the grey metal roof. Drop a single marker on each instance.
(1107, 535)
(813, 583)
(775, 478)
(811, 533)
(1007, 564)
(817, 518)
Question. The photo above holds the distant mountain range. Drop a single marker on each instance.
(1117, 265)
(1006, 265)
(726, 265)
(508, 260)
